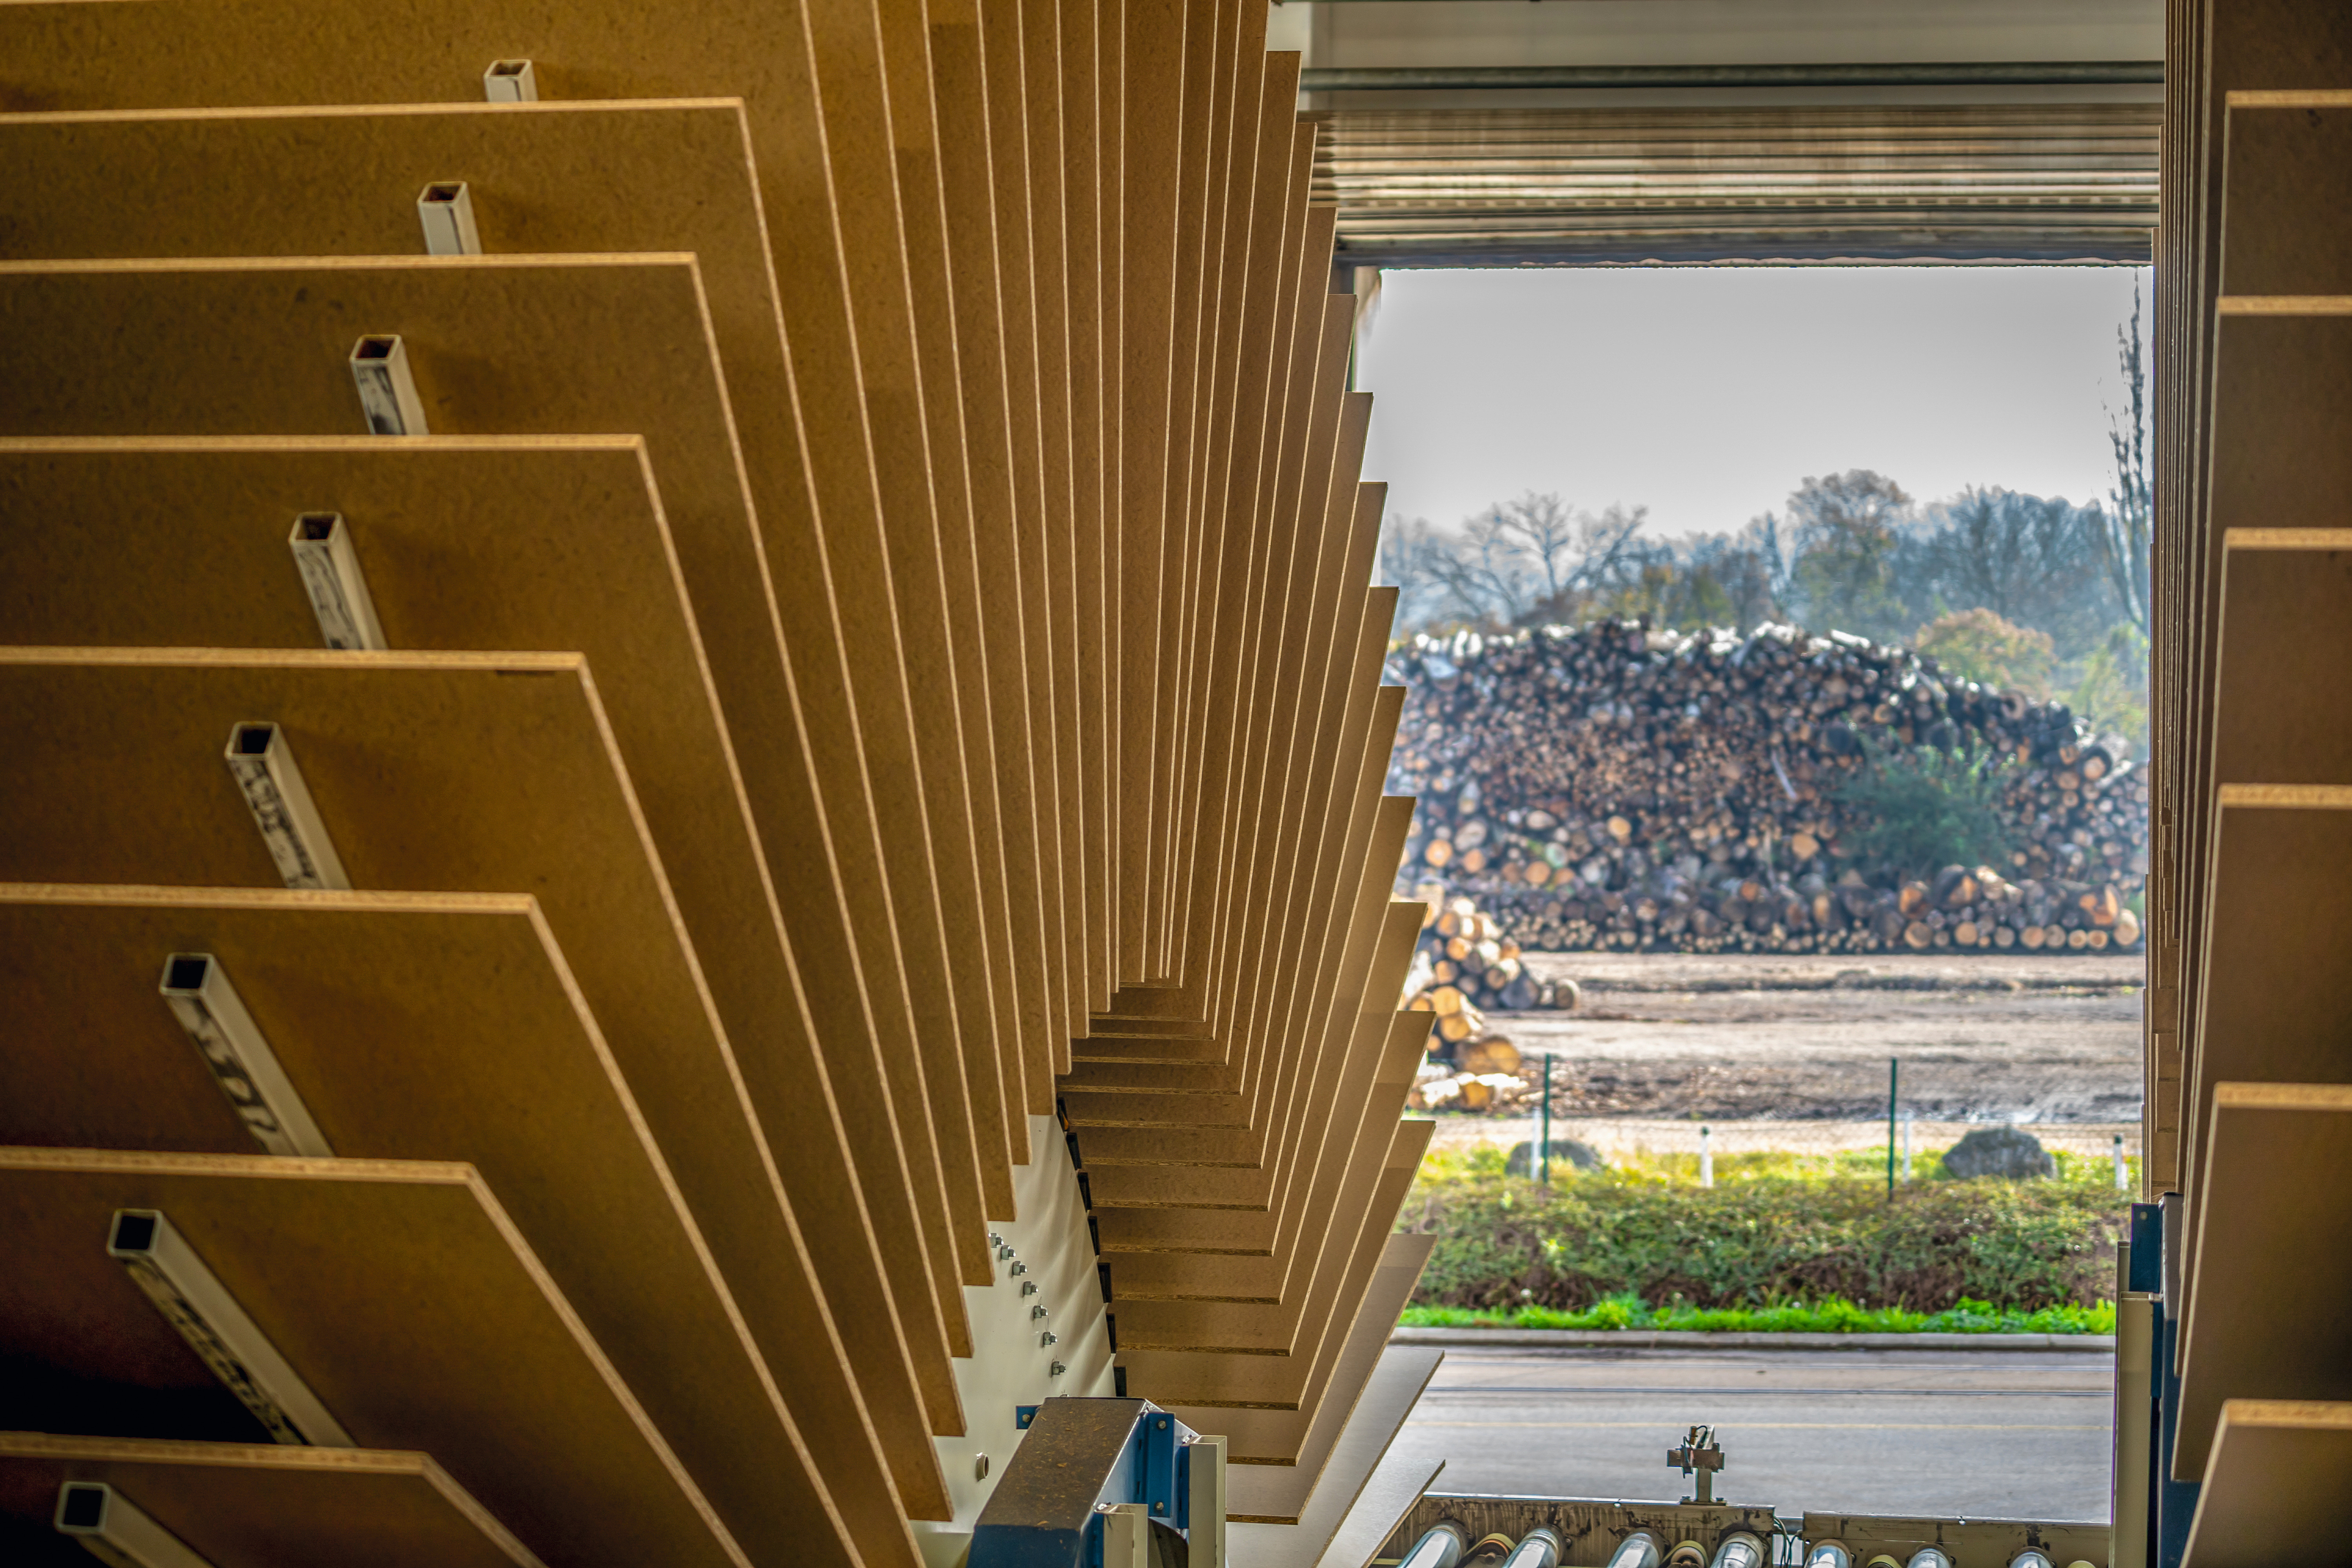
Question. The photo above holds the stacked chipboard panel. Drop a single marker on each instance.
(2238, 1353)
(694, 799)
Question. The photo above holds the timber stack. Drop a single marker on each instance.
(1615, 786)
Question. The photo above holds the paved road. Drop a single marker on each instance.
(1946, 1434)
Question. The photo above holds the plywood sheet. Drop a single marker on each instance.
(2273, 1247)
(487, 773)
(478, 543)
(843, 434)
(2271, 1488)
(430, 1026)
(2276, 1002)
(1263, 1433)
(1350, 1438)
(241, 1506)
(402, 1295)
(504, 347)
(2289, 175)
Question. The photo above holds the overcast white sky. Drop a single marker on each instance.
(1708, 393)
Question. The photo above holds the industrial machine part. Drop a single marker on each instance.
(1708, 1532)
(1103, 1482)
(1702, 1455)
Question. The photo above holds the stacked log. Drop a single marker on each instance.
(1614, 786)
(1464, 965)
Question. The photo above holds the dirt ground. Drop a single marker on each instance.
(1808, 1038)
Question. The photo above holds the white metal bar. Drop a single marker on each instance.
(445, 208)
(387, 387)
(510, 82)
(1126, 1534)
(114, 1530)
(194, 1302)
(329, 565)
(263, 766)
(1205, 1522)
(197, 990)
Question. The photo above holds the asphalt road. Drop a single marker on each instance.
(1953, 1433)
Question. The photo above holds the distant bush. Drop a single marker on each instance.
(1823, 1242)
(1834, 1316)
(1922, 808)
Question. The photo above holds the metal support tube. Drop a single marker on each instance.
(197, 990)
(192, 1300)
(114, 1530)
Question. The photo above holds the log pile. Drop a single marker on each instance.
(1612, 786)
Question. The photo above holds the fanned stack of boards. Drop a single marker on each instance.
(667, 667)
(2249, 1349)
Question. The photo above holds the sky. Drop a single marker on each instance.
(1708, 393)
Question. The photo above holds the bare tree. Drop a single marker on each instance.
(2123, 536)
(1544, 526)
(1408, 556)
(1486, 571)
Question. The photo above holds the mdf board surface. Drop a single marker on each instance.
(1350, 1438)
(2286, 187)
(477, 543)
(486, 772)
(1273, 1436)
(405, 1299)
(2283, 680)
(1021, 741)
(2272, 1260)
(2274, 1489)
(1295, 1384)
(246, 52)
(553, 345)
(241, 1506)
(428, 1027)
(2276, 996)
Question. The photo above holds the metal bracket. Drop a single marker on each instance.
(1700, 1453)
(510, 82)
(116, 1531)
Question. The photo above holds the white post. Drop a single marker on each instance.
(1705, 1157)
(1906, 1145)
(2123, 1180)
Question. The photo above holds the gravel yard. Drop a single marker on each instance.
(1807, 1039)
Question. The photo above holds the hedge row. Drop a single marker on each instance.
(1505, 1244)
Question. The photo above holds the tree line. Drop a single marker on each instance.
(2024, 592)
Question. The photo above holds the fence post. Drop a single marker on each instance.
(1543, 1134)
(2121, 1184)
(1894, 1072)
(1907, 1148)
(1707, 1156)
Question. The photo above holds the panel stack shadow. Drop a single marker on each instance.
(701, 641)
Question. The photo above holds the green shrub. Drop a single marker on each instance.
(1623, 1242)
(1921, 808)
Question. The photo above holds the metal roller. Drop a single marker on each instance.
(1439, 1546)
(1639, 1549)
(1739, 1549)
(1539, 1548)
(1827, 1554)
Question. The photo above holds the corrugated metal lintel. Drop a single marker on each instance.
(1808, 183)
